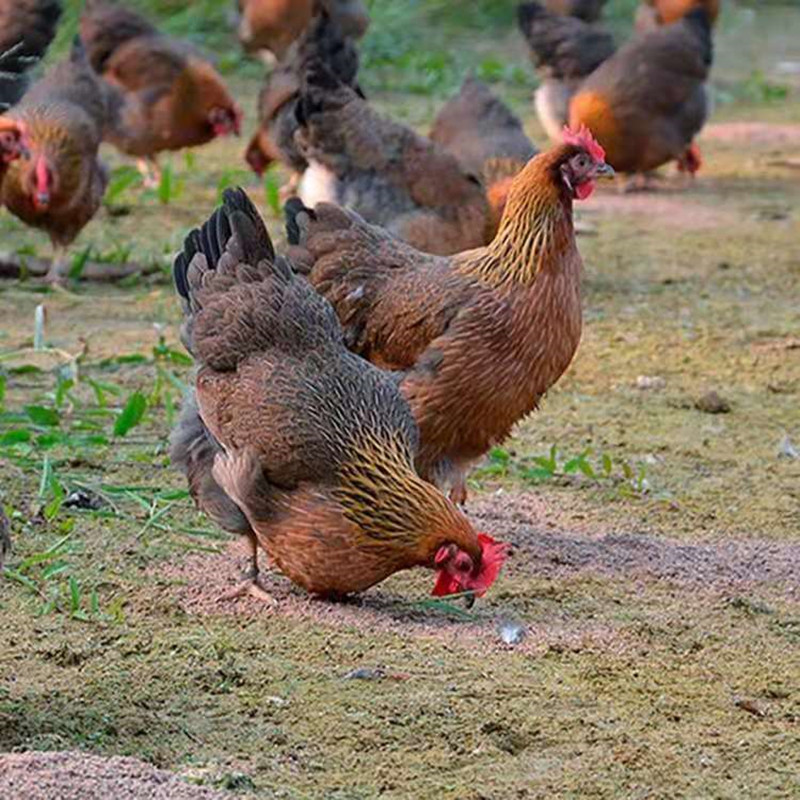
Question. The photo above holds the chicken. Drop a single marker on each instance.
(13, 143)
(566, 50)
(26, 29)
(312, 445)
(587, 10)
(477, 338)
(487, 138)
(59, 188)
(275, 25)
(646, 104)
(174, 98)
(384, 170)
(653, 13)
(277, 103)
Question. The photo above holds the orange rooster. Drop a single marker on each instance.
(174, 98)
(302, 444)
(478, 338)
(652, 13)
(275, 25)
(59, 188)
(648, 101)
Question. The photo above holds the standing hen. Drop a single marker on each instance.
(487, 138)
(313, 445)
(478, 338)
(566, 50)
(174, 98)
(26, 29)
(646, 104)
(60, 187)
(384, 170)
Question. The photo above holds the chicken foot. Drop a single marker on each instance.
(250, 585)
(150, 172)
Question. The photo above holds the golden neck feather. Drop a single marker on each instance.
(381, 493)
(535, 228)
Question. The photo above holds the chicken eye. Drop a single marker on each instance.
(582, 162)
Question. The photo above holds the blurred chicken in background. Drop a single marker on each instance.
(487, 138)
(59, 188)
(647, 103)
(566, 50)
(27, 28)
(273, 26)
(174, 98)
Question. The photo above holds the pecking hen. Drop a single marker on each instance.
(275, 25)
(277, 103)
(487, 138)
(652, 13)
(565, 50)
(174, 98)
(478, 338)
(294, 440)
(646, 104)
(384, 170)
(59, 188)
(26, 29)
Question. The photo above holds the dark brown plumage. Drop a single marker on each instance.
(646, 104)
(487, 138)
(313, 446)
(587, 10)
(277, 103)
(26, 29)
(478, 337)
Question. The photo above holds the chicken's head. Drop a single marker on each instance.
(225, 121)
(457, 571)
(13, 141)
(584, 162)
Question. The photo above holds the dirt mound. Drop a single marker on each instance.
(80, 776)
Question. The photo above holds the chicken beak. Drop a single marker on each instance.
(469, 600)
(604, 171)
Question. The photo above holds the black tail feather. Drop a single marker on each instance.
(294, 206)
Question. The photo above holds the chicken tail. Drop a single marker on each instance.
(238, 297)
(24, 39)
(105, 27)
(292, 210)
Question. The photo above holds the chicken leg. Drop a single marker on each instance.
(56, 275)
(150, 172)
(250, 585)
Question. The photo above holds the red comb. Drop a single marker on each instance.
(583, 138)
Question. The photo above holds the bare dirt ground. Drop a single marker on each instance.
(644, 640)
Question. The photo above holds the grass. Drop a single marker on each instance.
(627, 684)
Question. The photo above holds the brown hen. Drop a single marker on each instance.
(311, 445)
(385, 171)
(478, 337)
(174, 98)
(648, 101)
(59, 188)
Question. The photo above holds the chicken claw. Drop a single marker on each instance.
(250, 586)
